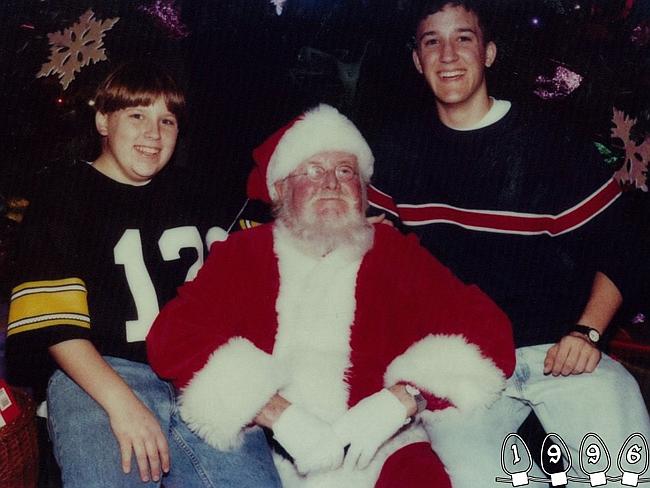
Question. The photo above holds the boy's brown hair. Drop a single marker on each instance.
(478, 7)
(139, 84)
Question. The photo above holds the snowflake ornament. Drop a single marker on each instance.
(279, 5)
(76, 47)
(635, 167)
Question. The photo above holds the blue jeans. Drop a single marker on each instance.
(606, 402)
(89, 456)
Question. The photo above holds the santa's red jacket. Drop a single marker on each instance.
(263, 317)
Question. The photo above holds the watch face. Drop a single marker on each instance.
(594, 336)
(411, 390)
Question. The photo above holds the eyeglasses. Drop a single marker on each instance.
(315, 172)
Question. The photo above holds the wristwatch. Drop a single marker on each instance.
(420, 401)
(592, 334)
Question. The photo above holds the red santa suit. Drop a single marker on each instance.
(263, 317)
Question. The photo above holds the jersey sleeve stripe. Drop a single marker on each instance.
(248, 224)
(49, 284)
(40, 304)
(44, 322)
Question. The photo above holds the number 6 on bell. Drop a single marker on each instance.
(633, 459)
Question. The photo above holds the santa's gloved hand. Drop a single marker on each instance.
(369, 424)
(310, 441)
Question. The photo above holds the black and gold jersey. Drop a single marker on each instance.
(97, 259)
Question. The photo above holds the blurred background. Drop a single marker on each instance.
(250, 65)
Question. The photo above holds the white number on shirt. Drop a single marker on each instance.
(128, 252)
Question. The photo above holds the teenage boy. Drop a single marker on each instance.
(103, 246)
(520, 208)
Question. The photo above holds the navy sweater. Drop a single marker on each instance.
(522, 208)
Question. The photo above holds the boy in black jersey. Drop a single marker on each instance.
(522, 208)
(103, 246)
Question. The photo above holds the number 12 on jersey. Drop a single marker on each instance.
(128, 253)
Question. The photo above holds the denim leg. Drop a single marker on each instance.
(83, 442)
(607, 402)
(195, 464)
(470, 445)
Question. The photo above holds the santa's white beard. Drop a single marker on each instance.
(318, 235)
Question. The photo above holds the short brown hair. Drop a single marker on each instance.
(479, 8)
(139, 84)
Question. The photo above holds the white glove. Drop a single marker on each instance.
(310, 441)
(369, 424)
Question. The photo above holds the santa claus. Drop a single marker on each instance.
(341, 337)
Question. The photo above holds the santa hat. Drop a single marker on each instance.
(323, 128)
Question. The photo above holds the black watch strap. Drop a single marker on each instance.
(592, 334)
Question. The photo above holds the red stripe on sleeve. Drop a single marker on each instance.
(514, 222)
(381, 200)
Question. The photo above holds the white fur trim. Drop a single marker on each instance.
(316, 304)
(449, 367)
(227, 393)
(322, 128)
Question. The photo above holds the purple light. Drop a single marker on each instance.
(535, 22)
(167, 15)
(563, 82)
(640, 35)
(638, 319)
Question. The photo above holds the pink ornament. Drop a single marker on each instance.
(165, 13)
(564, 82)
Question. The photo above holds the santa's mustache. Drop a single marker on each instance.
(332, 194)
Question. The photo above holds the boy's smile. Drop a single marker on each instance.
(451, 54)
(139, 142)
